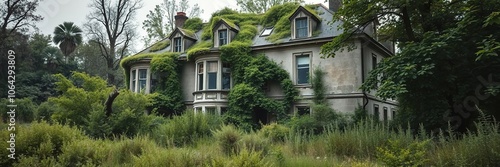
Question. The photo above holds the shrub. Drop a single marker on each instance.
(275, 132)
(24, 112)
(398, 153)
(186, 129)
(45, 111)
(83, 153)
(39, 140)
(304, 123)
(227, 138)
(248, 158)
(172, 157)
(254, 142)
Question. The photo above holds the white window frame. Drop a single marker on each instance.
(296, 28)
(134, 79)
(205, 75)
(177, 46)
(296, 69)
(219, 37)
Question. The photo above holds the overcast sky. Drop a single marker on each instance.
(56, 12)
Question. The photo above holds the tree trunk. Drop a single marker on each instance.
(109, 102)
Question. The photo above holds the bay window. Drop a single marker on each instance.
(212, 75)
(212, 67)
(140, 80)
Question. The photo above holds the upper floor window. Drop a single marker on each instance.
(200, 75)
(177, 44)
(302, 66)
(226, 76)
(374, 61)
(212, 67)
(215, 75)
(222, 37)
(301, 27)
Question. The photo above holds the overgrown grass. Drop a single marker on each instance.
(200, 140)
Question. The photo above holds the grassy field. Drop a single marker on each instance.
(197, 140)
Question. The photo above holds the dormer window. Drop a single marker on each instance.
(303, 23)
(301, 27)
(223, 32)
(177, 44)
(182, 39)
(222, 37)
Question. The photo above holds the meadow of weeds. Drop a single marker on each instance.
(203, 140)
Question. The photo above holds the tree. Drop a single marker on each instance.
(261, 6)
(16, 17)
(68, 36)
(111, 25)
(161, 21)
(90, 60)
(437, 77)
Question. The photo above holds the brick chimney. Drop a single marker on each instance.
(180, 18)
(334, 5)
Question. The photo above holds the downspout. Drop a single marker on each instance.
(365, 96)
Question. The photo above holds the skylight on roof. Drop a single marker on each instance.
(267, 31)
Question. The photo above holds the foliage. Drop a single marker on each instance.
(227, 137)
(194, 24)
(45, 111)
(39, 140)
(403, 154)
(318, 86)
(186, 129)
(116, 20)
(275, 132)
(159, 46)
(254, 142)
(23, 113)
(261, 6)
(278, 16)
(161, 20)
(68, 36)
(198, 49)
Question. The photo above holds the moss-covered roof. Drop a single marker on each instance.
(184, 32)
(247, 25)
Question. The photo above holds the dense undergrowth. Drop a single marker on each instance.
(205, 141)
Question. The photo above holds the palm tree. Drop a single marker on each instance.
(68, 36)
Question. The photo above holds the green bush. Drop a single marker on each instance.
(172, 157)
(255, 142)
(186, 129)
(227, 138)
(304, 123)
(362, 139)
(275, 132)
(248, 158)
(39, 140)
(397, 153)
(83, 153)
(45, 111)
(24, 112)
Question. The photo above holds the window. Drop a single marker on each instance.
(143, 74)
(385, 113)
(141, 80)
(177, 44)
(133, 78)
(302, 62)
(154, 81)
(374, 61)
(210, 110)
(266, 32)
(226, 76)
(200, 76)
(376, 114)
(212, 67)
(301, 27)
(303, 110)
(222, 37)
(393, 113)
